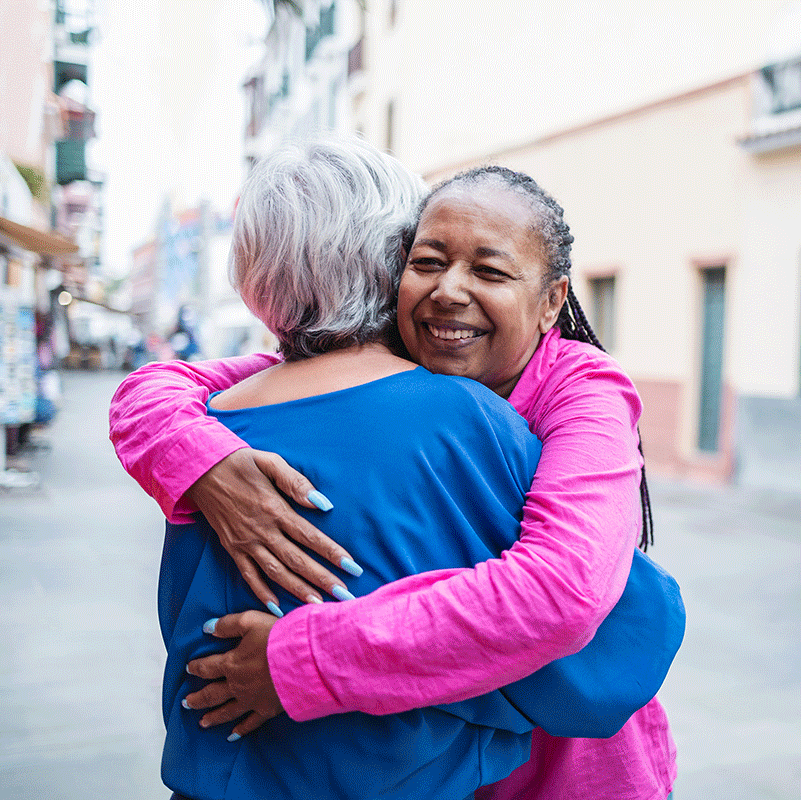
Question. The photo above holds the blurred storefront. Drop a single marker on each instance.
(30, 262)
(181, 302)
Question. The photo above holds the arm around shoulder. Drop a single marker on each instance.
(161, 432)
(465, 632)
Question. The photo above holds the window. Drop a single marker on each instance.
(602, 294)
(390, 140)
(714, 285)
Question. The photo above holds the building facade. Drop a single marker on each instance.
(304, 82)
(671, 138)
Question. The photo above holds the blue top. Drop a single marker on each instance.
(425, 472)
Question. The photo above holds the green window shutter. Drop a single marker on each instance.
(70, 161)
(712, 344)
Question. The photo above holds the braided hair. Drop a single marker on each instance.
(555, 239)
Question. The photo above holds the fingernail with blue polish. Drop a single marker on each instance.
(341, 593)
(210, 625)
(320, 500)
(185, 704)
(234, 737)
(351, 567)
(274, 610)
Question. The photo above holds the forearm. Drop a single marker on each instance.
(433, 638)
(160, 430)
(462, 633)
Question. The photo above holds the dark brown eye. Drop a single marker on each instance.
(426, 263)
(491, 271)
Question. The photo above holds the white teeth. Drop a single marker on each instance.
(449, 333)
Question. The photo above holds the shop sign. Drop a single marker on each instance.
(17, 360)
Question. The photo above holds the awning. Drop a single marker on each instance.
(34, 240)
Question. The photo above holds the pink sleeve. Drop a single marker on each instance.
(160, 430)
(449, 635)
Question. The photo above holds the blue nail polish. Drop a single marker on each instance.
(341, 593)
(351, 567)
(210, 625)
(320, 500)
(234, 737)
(185, 704)
(274, 610)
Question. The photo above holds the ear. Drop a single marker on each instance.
(557, 294)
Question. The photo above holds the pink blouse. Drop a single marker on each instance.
(543, 599)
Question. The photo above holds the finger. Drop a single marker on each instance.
(291, 482)
(284, 519)
(302, 531)
(229, 712)
(209, 667)
(250, 723)
(253, 576)
(283, 567)
(235, 626)
(210, 696)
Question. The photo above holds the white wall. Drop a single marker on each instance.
(474, 78)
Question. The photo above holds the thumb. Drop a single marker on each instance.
(291, 482)
(238, 625)
(227, 627)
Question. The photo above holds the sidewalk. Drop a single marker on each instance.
(734, 692)
(81, 656)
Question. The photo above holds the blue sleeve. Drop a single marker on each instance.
(592, 693)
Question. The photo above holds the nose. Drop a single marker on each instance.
(452, 287)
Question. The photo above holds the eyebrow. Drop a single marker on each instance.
(435, 243)
(481, 252)
(490, 252)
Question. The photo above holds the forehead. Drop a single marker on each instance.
(483, 215)
(486, 207)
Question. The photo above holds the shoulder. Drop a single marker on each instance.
(465, 395)
(572, 355)
(566, 376)
(583, 368)
(475, 413)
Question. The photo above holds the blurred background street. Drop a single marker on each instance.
(81, 655)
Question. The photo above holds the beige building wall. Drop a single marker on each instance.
(467, 78)
(654, 197)
(634, 122)
(26, 86)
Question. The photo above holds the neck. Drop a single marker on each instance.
(309, 377)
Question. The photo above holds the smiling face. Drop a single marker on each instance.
(473, 299)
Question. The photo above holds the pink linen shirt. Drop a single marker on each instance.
(543, 599)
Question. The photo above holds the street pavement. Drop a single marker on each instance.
(81, 652)
(81, 656)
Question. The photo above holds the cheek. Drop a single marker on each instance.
(404, 304)
(518, 323)
(405, 308)
(410, 292)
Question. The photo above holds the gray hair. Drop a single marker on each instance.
(317, 243)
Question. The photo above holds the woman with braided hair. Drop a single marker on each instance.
(485, 295)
